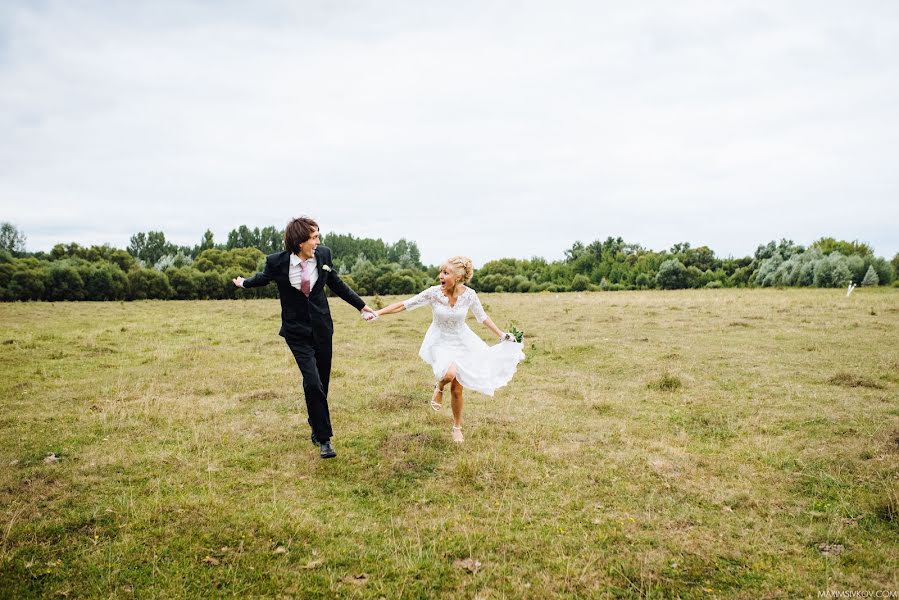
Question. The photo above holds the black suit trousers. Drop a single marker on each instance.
(314, 361)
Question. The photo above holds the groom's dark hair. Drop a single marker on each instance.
(298, 231)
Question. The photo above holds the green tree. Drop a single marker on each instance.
(105, 281)
(186, 283)
(11, 239)
(206, 243)
(871, 277)
(28, 281)
(271, 240)
(832, 271)
(827, 245)
(672, 275)
(245, 260)
(243, 237)
(212, 285)
(150, 247)
(785, 248)
(580, 283)
(885, 271)
(64, 282)
(147, 284)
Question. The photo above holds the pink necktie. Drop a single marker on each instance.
(304, 277)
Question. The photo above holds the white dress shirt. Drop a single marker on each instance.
(295, 274)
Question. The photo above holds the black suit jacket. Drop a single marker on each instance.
(302, 316)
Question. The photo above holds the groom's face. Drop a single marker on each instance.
(308, 247)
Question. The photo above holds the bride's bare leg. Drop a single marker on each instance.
(437, 397)
(457, 404)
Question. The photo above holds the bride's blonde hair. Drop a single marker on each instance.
(461, 266)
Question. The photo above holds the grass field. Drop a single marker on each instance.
(714, 443)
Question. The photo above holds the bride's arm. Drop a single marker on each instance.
(489, 324)
(486, 321)
(393, 308)
(412, 303)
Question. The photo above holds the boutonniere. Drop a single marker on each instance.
(326, 268)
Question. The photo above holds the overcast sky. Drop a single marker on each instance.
(492, 129)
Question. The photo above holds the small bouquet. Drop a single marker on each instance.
(516, 333)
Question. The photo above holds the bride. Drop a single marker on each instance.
(456, 354)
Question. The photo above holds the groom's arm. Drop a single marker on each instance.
(339, 287)
(260, 279)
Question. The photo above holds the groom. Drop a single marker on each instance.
(301, 273)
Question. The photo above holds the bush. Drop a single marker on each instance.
(244, 260)
(672, 275)
(871, 277)
(186, 282)
(885, 271)
(64, 283)
(177, 260)
(644, 280)
(832, 271)
(694, 277)
(145, 284)
(28, 284)
(712, 285)
(105, 281)
(741, 276)
(857, 267)
(580, 283)
(769, 273)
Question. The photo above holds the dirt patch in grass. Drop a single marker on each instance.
(409, 442)
(393, 401)
(259, 396)
(849, 380)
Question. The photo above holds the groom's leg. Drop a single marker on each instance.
(323, 364)
(316, 403)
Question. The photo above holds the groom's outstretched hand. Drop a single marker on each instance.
(238, 281)
(367, 313)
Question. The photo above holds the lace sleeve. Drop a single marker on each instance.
(476, 309)
(422, 299)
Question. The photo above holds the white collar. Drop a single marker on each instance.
(295, 260)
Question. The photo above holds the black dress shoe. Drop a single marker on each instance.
(327, 450)
(314, 439)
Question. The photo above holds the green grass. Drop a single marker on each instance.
(726, 443)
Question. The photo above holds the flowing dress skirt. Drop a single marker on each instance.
(479, 367)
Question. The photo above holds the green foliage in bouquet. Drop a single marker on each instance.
(516, 333)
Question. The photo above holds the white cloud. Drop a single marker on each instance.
(491, 129)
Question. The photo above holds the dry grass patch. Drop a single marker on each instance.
(665, 383)
(849, 380)
(688, 465)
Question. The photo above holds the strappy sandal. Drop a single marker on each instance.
(437, 406)
(457, 435)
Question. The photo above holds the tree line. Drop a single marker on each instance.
(151, 267)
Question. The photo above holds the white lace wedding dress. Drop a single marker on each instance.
(449, 340)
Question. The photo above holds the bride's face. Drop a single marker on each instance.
(447, 278)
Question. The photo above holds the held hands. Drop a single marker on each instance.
(368, 314)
